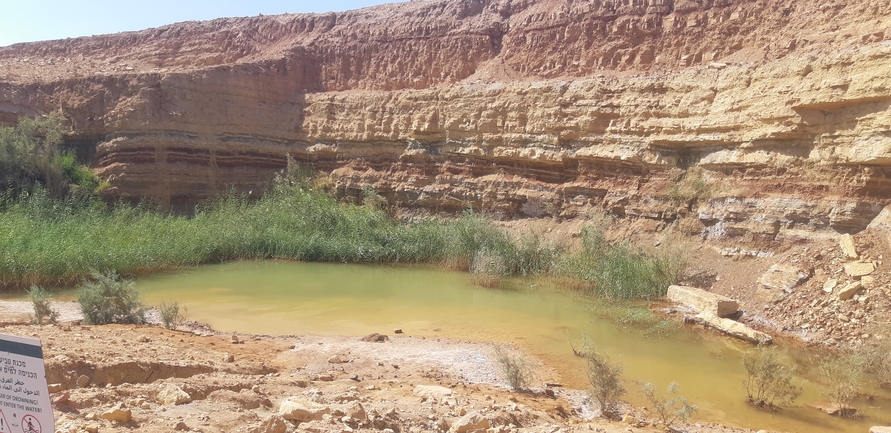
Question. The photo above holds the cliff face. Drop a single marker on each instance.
(761, 120)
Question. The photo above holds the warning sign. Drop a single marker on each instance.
(24, 401)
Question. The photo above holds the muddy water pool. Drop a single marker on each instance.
(289, 298)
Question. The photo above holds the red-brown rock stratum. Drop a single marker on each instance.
(754, 120)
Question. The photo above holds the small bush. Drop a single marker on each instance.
(605, 377)
(108, 299)
(172, 314)
(372, 200)
(768, 383)
(42, 302)
(844, 375)
(877, 360)
(690, 186)
(670, 408)
(514, 368)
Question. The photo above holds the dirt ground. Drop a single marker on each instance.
(119, 378)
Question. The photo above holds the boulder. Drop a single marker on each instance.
(302, 410)
(849, 249)
(848, 291)
(702, 300)
(859, 269)
(336, 359)
(472, 421)
(83, 381)
(117, 413)
(784, 277)
(356, 412)
(315, 426)
(273, 424)
(879, 429)
(173, 395)
(734, 328)
(375, 338)
(325, 377)
(245, 399)
(432, 392)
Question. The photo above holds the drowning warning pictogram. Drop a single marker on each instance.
(30, 424)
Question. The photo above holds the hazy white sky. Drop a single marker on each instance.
(37, 20)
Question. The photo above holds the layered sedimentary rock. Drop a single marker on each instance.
(731, 118)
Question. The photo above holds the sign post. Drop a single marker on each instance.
(25, 405)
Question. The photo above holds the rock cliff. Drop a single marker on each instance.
(757, 120)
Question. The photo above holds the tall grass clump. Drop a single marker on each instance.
(108, 299)
(621, 271)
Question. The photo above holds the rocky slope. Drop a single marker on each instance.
(754, 121)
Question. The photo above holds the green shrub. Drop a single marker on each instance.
(172, 314)
(30, 156)
(41, 300)
(690, 186)
(844, 375)
(877, 360)
(605, 377)
(514, 369)
(108, 299)
(768, 383)
(671, 407)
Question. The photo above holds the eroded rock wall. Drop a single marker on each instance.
(730, 118)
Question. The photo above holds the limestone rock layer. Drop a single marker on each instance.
(763, 120)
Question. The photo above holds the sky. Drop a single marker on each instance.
(39, 20)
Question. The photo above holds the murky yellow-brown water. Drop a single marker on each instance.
(282, 298)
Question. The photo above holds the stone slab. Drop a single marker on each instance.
(734, 328)
(302, 410)
(833, 408)
(848, 291)
(706, 302)
(849, 249)
(784, 277)
(859, 269)
(471, 421)
(432, 391)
